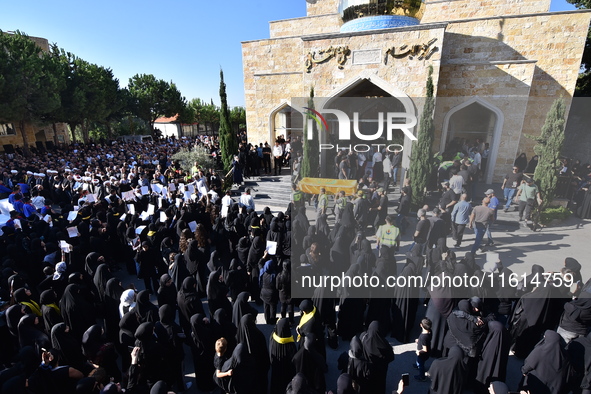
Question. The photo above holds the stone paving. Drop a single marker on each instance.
(518, 247)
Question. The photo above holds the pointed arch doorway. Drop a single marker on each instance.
(368, 89)
(474, 119)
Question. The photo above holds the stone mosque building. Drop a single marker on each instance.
(497, 66)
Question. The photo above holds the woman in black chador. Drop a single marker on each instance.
(217, 292)
(447, 373)
(203, 348)
(189, 304)
(546, 368)
(311, 363)
(379, 353)
(281, 349)
(241, 308)
(494, 356)
(251, 337)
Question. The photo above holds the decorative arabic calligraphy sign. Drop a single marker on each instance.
(420, 52)
(340, 53)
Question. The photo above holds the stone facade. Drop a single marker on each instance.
(510, 56)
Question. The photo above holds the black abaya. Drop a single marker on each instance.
(248, 334)
(494, 356)
(379, 353)
(546, 368)
(281, 350)
(447, 373)
(312, 364)
(241, 307)
(203, 348)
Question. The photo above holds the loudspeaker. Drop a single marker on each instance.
(40, 146)
(8, 149)
(49, 145)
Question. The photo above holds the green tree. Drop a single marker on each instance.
(153, 98)
(420, 158)
(311, 150)
(548, 148)
(30, 83)
(238, 117)
(205, 114)
(199, 154)
(227, 137)
(583, 88)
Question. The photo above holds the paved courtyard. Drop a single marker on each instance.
(519, 248)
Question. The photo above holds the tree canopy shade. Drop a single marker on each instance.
(548, 148)
(91, 93)
(420, 158)
(311, 155)
(227, 137)
(30, 82)
(153, 98)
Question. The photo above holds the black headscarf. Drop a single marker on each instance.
(101, 276)
(77, 312)
(166, 294)
(92, 262)
(144, 309)
(29, 334)
(68, 346)
(494, 355)
(375, 347)
(241, 308)
(223, 327)
(249, 335)
(92, 340)
(345, 384)
(447, 373)
(188, 300)
(546, 367)
(282, 348)
(179, 271)
(463, 330)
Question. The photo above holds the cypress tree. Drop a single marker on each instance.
(420, 158)
(548, 148)
(228, 142)
(310, 160)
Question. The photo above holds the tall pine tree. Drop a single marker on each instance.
(548, 148)
(310, 161)
(228, 142)
(420, 158)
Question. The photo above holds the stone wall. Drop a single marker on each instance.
(452, 10)
(274, 70)
(322, 7)
(306, 26)
(505, 87)
(553, 40)
(31, 130)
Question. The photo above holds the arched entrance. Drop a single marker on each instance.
(370, 96)
(283, 122)
(474, 119)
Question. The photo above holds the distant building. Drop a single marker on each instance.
(172, 127)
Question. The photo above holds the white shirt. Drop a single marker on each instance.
(456, 183)
(38, 201)
(247, 201)
(226, 203)
(277, 150)
(377, 157)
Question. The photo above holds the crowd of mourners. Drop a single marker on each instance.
(207, 259)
